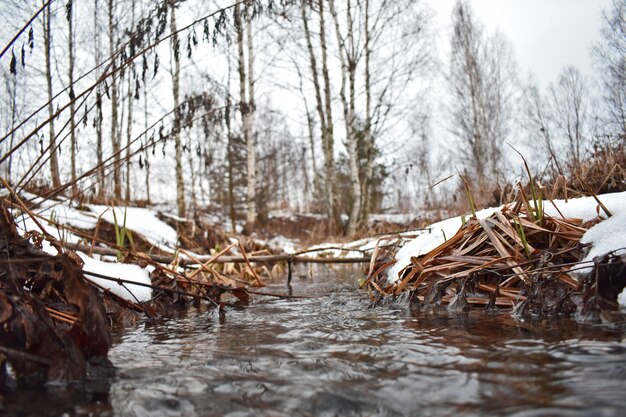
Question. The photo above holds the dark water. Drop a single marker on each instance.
(332, 356)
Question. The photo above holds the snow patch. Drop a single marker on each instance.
(604, 237)
(429, 239)
(283, 243)
(128, 272)
(142, 221)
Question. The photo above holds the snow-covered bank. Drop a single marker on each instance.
(126, 272)
(142, 221)
(608, 235)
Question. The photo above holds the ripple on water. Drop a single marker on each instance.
(332, 355)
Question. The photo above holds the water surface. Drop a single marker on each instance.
(333, 356)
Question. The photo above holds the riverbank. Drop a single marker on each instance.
(119, 266)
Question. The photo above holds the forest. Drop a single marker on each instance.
(306, 207)
(337, 108)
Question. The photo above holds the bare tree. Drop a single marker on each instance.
(322, 88)
(571, 113)
(115, 134)
(539, 124)
(480, 78)
(99, 116)
(348, 55)
(69, 10)
(610, 53)
(246, 107)
(175, 47)
(130, 94)
(47, 39)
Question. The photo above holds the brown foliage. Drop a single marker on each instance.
(52, 323)
(491, 263)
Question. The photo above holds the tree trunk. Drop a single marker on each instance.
(70, 40)
(368, 136)
(146, 151)
(246, 108)
(319, 107)
(230, 157)
(99, 117)
(250, 137)
(129, 119)
(180, 185)
(47, 39)
(115, 137)
(328, 141)
(347, 57)
(11, 83)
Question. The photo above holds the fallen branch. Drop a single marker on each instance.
(184, 261)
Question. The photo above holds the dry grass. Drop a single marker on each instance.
(511, 260)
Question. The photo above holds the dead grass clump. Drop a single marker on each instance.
(604, 171)
(509, 260)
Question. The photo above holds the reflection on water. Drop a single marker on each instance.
(332, 355)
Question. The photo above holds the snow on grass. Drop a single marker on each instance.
(603, 237)
(586, 208)
(429, 239)
(55, 211)
(128, 272)
(142, 221)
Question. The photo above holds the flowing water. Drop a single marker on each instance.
(333, 356)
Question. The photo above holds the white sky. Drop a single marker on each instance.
(546, 35)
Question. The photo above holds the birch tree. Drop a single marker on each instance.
(348, 58)
(129, 117)
(246, 108)
(115, 135)
(69, 10)
(383, 47)
(322, 88)
(98, 123)
(47, 39)
(175, 48)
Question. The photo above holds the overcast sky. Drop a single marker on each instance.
(546, 35)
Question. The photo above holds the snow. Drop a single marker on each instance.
(288, 215)
(128, 272)
(391, 218)
(284, 243)
(604, 237)
(56, 211)
(586, 208)
(428, 240)
(142, 221)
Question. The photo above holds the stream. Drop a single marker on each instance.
(331, 355)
